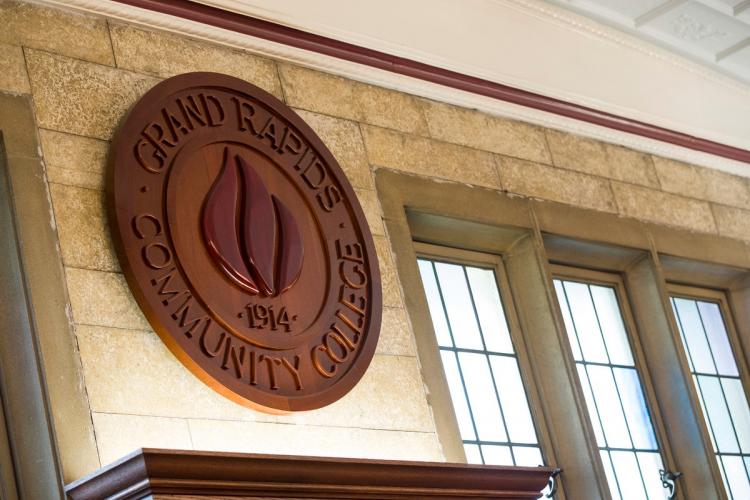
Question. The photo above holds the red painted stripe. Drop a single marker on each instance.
(267, 30)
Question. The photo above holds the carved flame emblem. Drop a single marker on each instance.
(251, 235)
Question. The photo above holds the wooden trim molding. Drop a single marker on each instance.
(205, 474)
(267, 30)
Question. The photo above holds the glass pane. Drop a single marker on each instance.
(487, 415)
(436, 305)
(472, 454)
(692, 329)
(610, 410)
(650, 464)
(628, 475)
(513, 399)
(718, 338)
(565, 308)
(610, 473)
(527, 456)
(585, 322)
(739, 410)
(497, 455)
(481, 367)
(490, 310)
(461, 314)
(718, 414)
(458, 396)
(634, 404)
(722, 396)
(613, 329)
(591, 405)
(736, 477)
(612, 388)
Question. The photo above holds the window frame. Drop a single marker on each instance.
(615, 281)
(494, 262)
(722, 298)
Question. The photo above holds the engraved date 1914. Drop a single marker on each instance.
(262, 317)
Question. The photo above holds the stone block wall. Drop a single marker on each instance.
(83, 73)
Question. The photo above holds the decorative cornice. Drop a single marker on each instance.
(207, 475)
(371, 66)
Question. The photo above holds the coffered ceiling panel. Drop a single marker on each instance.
(714, 32)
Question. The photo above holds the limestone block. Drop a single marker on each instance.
(13, 69)
(132, 371)
(103, 298)
(256, 437)
(663, 208)
(703, 183)
(82, 227)
(344, 140)
(427, 157)
(80, 97)
(70, 34)
(578, 153)
(336, 96)
(74, 160)
(630, 166)
(388, 276)
(554, 184)
(479, 130)
(118, 435)
(396, 336)
(371, 206)
(164, 54)
(732, 222)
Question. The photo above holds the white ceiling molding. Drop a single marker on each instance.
(718, 83)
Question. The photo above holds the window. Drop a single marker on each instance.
(703, 327)
(612, 387)
(480, 363)
(645, 412)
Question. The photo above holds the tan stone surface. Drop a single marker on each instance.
(333, 95)
(663, 208)
(388, 276)
(119, 435)
(70, 34)
(257, 437)
(478, 130)
(103, 298)
(577, 153)
(344, 140)
(554, 184)
(732, 222)
(74, 160)
(386, 148)
(13, 69)
(395, 333)
(84, 235)
(630, 166)
(132, 371)
(164, 54)
(371, 206)
(703, 183)
(79, 97)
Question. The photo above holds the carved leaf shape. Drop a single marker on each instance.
(291, 250)
(220, 226)
(258, 228)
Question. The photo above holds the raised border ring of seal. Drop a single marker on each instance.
(243, 243)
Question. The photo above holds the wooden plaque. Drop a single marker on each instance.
(244, 244)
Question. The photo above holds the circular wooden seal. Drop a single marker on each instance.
(244, 244)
